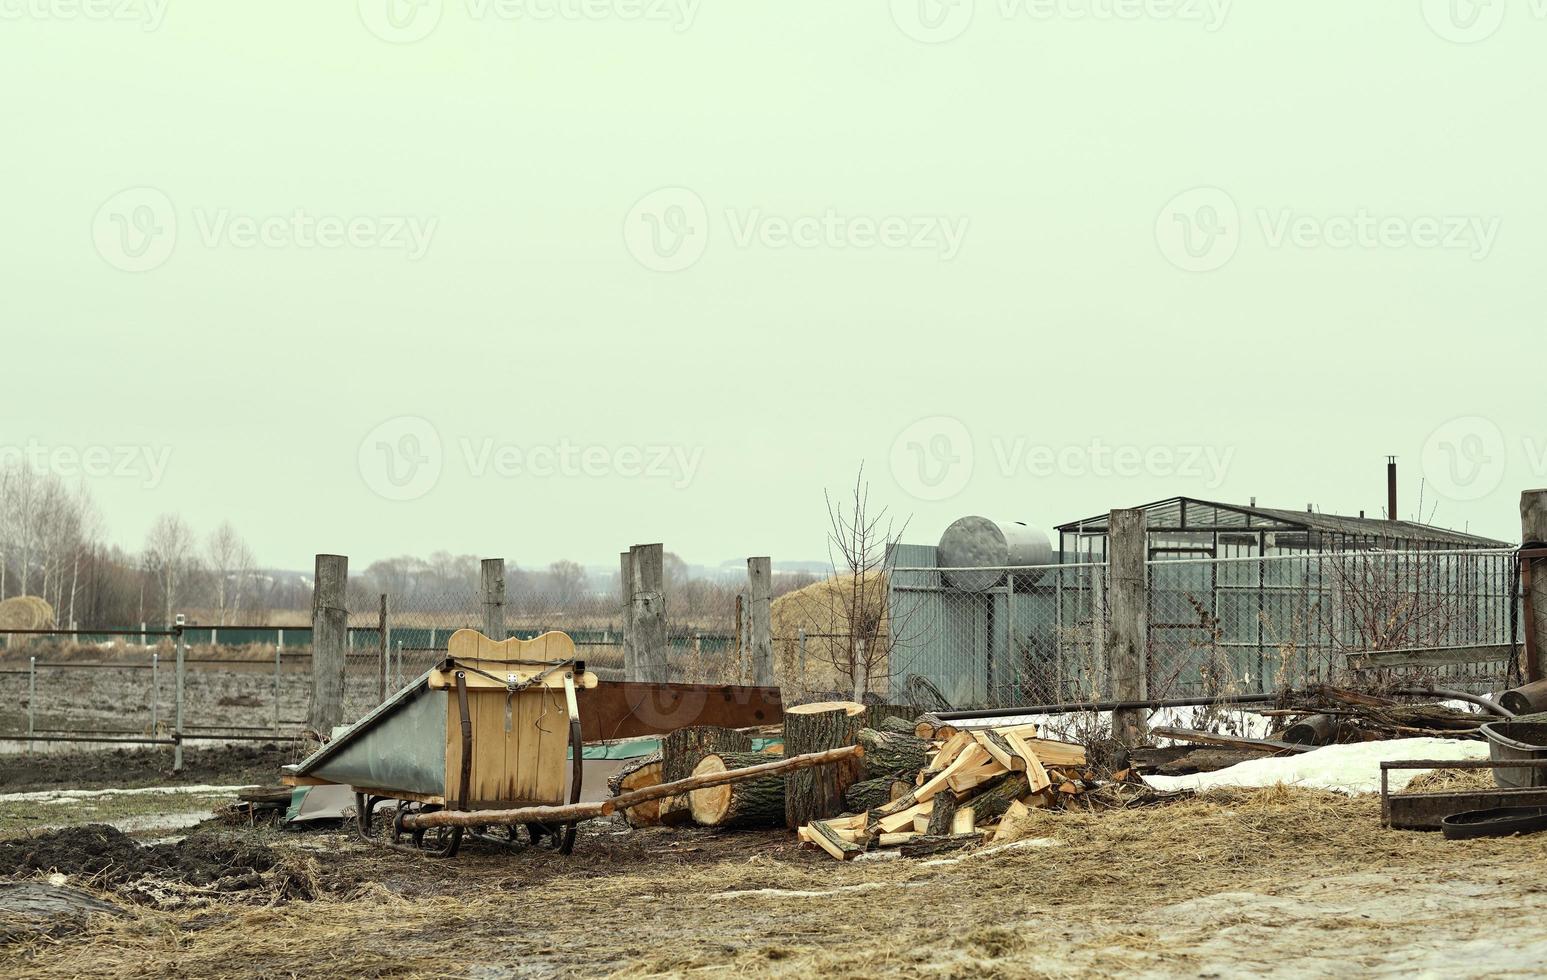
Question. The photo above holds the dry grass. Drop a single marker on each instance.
(652, 903)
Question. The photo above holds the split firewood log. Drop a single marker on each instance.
(942, 816)
(817, 793)
(993, 801)
(752, 803)
(930, 844)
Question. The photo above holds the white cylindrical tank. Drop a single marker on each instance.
(980, 543)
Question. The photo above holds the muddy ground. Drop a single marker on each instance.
(1273, 882)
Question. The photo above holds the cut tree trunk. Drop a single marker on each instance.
(867, 794)
(681, 752)
(877, 715)
(892, 723)
(753, 803)
(892, 753)
(815, 794)
(642, 772)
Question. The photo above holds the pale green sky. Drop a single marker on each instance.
(876, 212)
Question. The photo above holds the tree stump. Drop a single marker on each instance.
(754, 803)
(815, 794)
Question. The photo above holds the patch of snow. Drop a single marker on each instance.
(1341, 768)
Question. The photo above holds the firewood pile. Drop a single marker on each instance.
(948, 789)
(905, 782)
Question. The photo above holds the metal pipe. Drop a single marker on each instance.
(1439, 692)
(155, 692)
(177, 736)
(1074, 707)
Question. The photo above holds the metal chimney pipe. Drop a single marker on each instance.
(1391, 488)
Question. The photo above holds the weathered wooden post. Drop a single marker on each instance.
(330, 626)
(626, 585)
(1533, 531)
(493, 590)
(760, 600)
(1127, 641)
(649, 612)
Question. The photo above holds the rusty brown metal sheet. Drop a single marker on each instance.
(627, 709)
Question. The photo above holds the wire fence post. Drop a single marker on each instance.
(144, 636)
(399, 674)
(32, 699)
(385, 647)
(802, 648)
(177, 734)
(278, 647)
(155, 693)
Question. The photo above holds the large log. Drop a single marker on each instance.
(889, 753)
(681, 752)
(867, 794)
(885, 715)
(814, 794)
(641, 772)
(751, 803)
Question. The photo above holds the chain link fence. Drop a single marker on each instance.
(1000, 637)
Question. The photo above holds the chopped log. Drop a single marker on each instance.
(974, 756)
(892, 823)
(924, 729)
(637, 774)
(953, 747)
(901, 786)
(964, 782)
(941, 816)
(867, 794)
(927, 845)
(963, 822)
(901, 726)
(830, 841)
(889, 753)
(814, 794)
(994, 801)
(751, 803)
(681, 752)
(1205, 760)
(892, 840)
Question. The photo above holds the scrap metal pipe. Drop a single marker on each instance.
(588, 811)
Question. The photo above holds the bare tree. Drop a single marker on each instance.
(856, 636)
(230, 565)
(169, 555)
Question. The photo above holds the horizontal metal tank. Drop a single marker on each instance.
(977, 543)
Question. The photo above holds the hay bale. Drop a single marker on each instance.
(25, 613)
(824, 611)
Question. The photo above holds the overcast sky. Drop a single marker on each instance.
(545, 279)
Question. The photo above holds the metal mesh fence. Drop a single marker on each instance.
(1013, 636)
(1256, 625)
(1217, 627)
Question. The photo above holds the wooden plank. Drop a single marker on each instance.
(1430, 657)
(974, 756)
(904, 818)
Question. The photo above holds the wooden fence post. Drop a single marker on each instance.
(649, 612)
(626, 586)
(1128, 640)
(760, 602)
(330, 627)
(1533, 529)
(493, 590)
